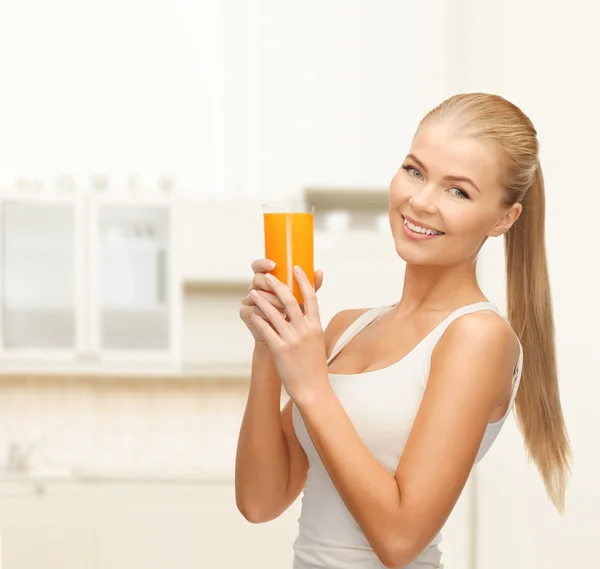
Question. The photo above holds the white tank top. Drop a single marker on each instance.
(382, 405)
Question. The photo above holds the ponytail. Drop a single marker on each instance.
(539, 413)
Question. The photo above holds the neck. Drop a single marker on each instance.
(438, 288)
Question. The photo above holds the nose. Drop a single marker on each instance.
(424, 199)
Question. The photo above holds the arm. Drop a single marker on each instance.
(271, 466)
(400, 514)
(270, 469)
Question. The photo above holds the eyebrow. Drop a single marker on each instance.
(457, 178)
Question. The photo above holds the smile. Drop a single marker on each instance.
(420, 230)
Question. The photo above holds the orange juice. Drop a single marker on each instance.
(289, 241)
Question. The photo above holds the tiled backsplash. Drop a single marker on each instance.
(121, 426)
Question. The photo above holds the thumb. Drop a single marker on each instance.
(318, 279)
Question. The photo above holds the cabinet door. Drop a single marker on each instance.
(106, 525)
(221, 239)
(41, 253)
(361, 266)
(50, 526)
(191, 526)
(134, 279)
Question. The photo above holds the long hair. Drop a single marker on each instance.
(538, 409)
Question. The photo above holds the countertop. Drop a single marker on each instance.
(84, 476)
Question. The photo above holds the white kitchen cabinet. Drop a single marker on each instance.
(41, 284)
(135, 285)
(137, 525)
(90, 283)
(50, 526)
(224, 237)
(360, 269)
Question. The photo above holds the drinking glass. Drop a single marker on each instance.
(289, 241)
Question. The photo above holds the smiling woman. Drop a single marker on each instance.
(425, 192)
(390, 407)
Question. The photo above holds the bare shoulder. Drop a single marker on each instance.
(493, 326)
(482, 334)
(338, 324)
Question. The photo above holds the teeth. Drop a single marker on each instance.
(418, 229)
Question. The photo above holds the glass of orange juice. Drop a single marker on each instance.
(289, 241)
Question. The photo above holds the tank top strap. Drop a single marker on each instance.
(516, 378)
(432, 338)
(359, 324)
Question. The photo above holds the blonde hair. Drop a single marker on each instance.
(538, 409)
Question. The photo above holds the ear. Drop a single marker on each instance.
(506, 221)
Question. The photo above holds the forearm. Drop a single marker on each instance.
(262, 459)
(369, 490)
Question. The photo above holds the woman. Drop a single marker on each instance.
(392, 406)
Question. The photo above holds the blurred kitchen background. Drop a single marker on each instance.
(137, 143)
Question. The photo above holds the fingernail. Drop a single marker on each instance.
(298, 269)
(271, 265)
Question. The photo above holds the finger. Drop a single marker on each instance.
(255, 310)
(286, 297)
(270, 335)
(268, 296)
(311, 307)
(318, 279)
(262, 265)
(249, 301)
(273, 315)
(260, 282)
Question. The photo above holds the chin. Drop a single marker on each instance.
(406, 253)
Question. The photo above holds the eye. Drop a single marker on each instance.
(409, 168)
(464, 194)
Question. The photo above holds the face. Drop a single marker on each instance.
(450, 184)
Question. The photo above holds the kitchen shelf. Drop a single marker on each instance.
(225, 477)
(85, 476)
(222, 372)
(353, 199)
(214, 286)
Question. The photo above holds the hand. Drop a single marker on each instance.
(249, 307)
(297, 345)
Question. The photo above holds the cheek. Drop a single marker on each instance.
(399, 192)
(464, 224)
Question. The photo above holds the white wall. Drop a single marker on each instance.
(543, 57)
(229, 96)
(118, 87)
(330, 90)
